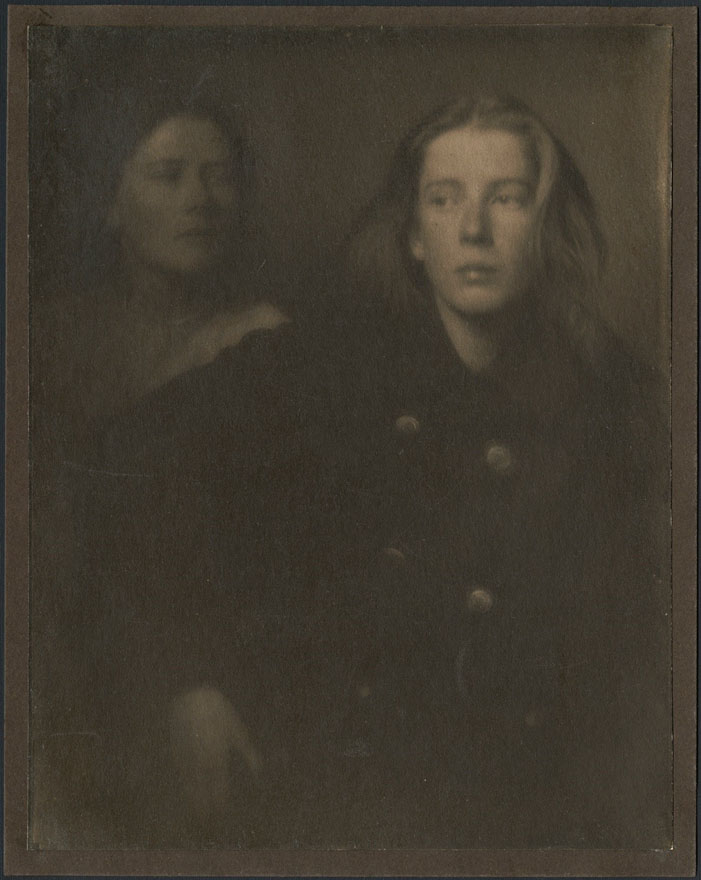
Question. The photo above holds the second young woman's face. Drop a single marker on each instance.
(177, 197)
(475, 218)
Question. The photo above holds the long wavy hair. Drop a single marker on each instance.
(567, 250)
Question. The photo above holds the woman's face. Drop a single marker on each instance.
(176, 200)
(475, 218)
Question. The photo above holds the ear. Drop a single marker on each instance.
(416, 246)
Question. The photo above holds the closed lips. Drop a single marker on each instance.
(476, 271)
(477, 267)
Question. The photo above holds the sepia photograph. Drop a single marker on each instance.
(347, 370)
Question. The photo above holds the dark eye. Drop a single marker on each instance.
(507, 199)
(512, 196)
(438, 199)
(170, 174)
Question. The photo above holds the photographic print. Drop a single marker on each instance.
(354, 539)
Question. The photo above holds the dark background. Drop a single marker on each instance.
(325, 109)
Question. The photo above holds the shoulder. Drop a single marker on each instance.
(226, 330)
(195, 420)
(633, 388)
(628, 409)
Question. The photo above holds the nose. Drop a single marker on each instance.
(197, 192)
(474, 223)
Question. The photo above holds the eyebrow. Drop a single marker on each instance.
(443, 181)
(173, 161)
(501, 181)
(527, 189)
(513, 181)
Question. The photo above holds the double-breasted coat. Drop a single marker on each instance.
(438, 599)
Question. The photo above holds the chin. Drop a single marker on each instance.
(481, 302)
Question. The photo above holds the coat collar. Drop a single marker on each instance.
(538, 375)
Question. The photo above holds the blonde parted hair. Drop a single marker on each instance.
(567, 248)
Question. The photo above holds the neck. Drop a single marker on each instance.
(477, 340)
(164, 292)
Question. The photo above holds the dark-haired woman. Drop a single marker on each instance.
(173, 293)
(166, 289)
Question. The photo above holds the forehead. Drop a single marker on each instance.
(472, 153)
(184, 137)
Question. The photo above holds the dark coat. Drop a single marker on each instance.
(439, 600)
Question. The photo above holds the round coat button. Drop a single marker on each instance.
(479, 601)
(407, 425)
(500, 458)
